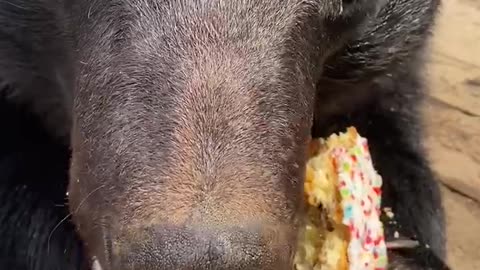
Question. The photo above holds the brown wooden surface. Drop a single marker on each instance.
(452, 116)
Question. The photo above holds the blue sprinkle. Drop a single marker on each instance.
(348, 212)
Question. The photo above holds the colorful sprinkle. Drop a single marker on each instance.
(359, 180)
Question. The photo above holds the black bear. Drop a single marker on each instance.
(183, 126)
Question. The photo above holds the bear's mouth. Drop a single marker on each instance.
(391, 245)
(324, 238)
(394, 244)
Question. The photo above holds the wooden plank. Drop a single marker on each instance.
(452, 114)
(463, 239)
(453, 144)
(452, 118)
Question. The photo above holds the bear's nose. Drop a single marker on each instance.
(185, 248)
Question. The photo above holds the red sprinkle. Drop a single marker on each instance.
(368, 240)
(365, 146)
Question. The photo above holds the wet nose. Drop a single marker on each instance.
(194, 248)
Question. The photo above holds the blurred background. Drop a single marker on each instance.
(452, 117)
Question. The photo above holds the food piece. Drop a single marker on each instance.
(342, 192)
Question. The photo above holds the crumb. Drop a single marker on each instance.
(388, 212)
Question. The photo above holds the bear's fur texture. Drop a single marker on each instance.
(169, 114)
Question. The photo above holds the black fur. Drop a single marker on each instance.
(35, 70)
(387, 63)
(372, 81)
(33, 182)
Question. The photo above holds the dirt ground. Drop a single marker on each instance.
(452, 116)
